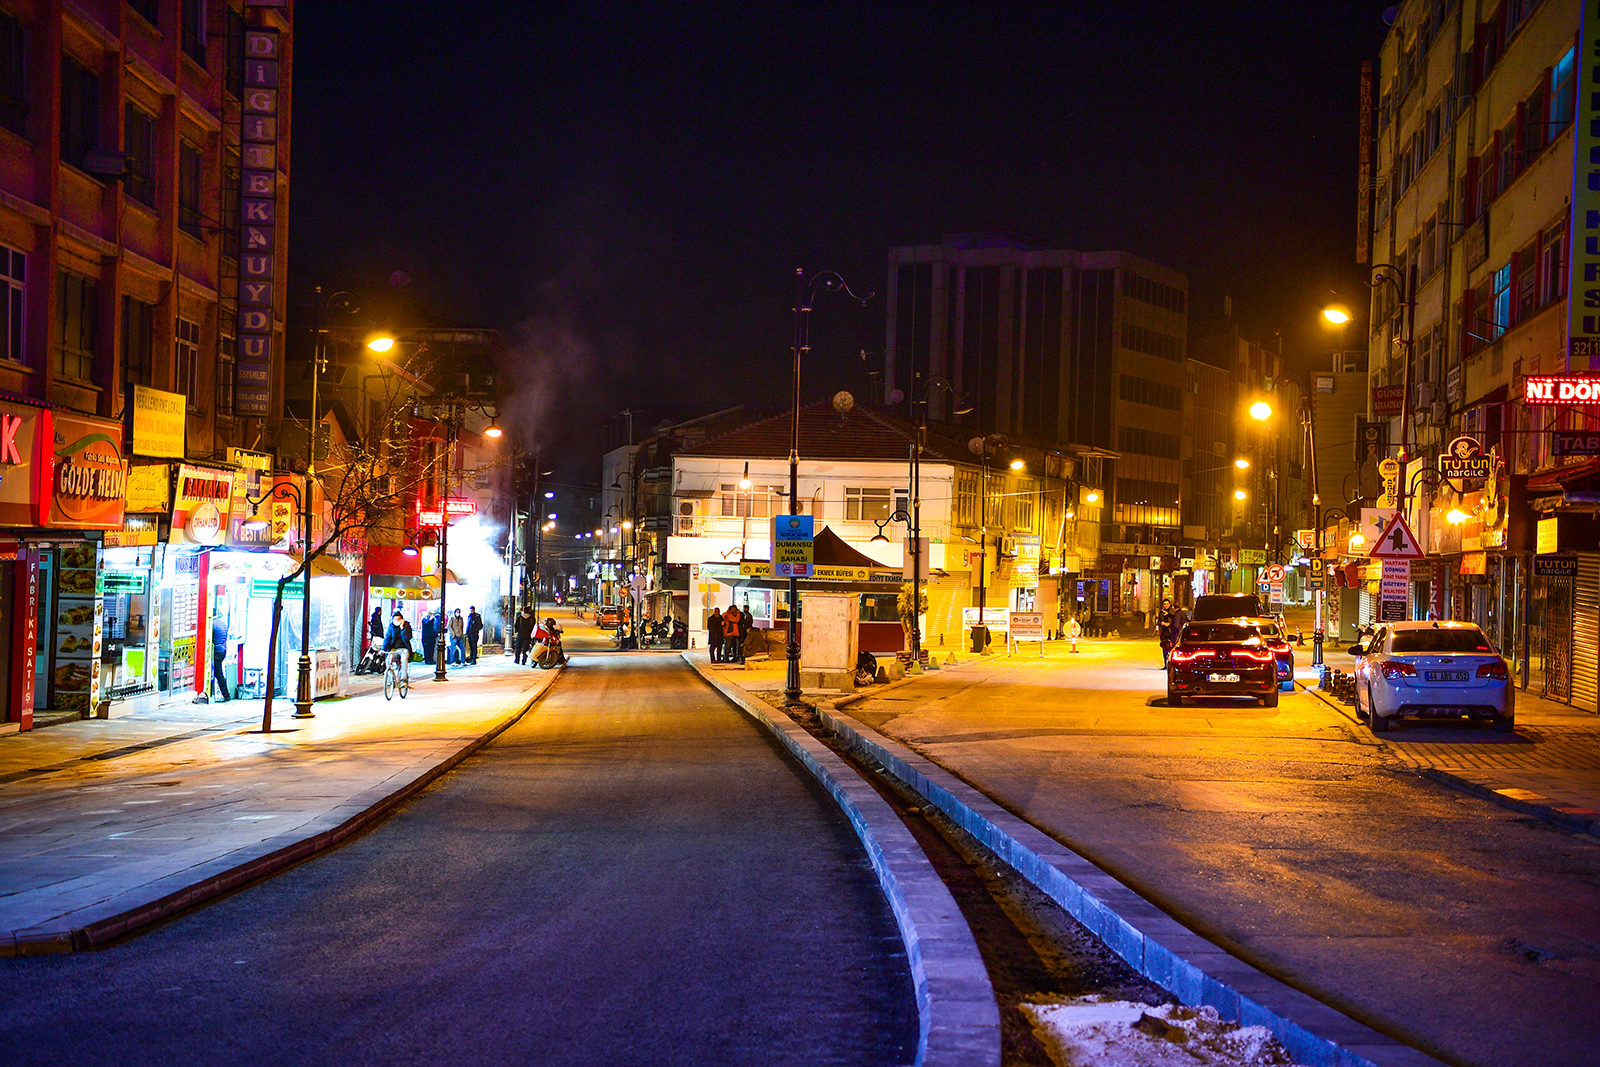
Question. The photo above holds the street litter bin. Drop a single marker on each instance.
(980, 638)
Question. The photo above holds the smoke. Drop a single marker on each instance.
(555, 381)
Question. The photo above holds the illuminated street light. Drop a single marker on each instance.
(492, 430)
(1357, 540)
(1016, 464)
(1242, 463)
(1336, 314)
(744, 482)
(1239, 494)
(1092, 497)
(380, 342)
(627, 524)
(1261, 411)
(550, 495)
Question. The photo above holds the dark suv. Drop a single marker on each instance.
(1226, 606)
(1228, 658)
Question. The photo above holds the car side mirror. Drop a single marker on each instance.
(1357, 649)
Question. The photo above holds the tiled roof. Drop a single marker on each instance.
(859, 434)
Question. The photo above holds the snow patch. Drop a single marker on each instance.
(1119, 1033)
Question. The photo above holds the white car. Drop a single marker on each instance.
(1435, 670)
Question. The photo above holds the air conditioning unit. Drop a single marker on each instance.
(1439, 412)
(1425, 391)
(688, 514)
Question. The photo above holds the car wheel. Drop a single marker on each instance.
(1270, 700)
(1174, 700)
(1377, 723)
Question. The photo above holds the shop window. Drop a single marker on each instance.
(139, 145)
(138, 341)
(187, 354)
(880, 607)
(78, 313)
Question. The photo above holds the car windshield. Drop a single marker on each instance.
(1267, 629)
(1218, 631)
(1440, 640)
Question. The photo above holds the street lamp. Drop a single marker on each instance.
(805, 293)
(1320, 518)
(288, 493)
(984, 447)
(1261, 411)
(960, 408)
(455, 414)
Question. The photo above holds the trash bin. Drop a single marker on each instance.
(980, 638)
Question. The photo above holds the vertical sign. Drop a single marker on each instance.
(258, 216)
(1583, 288)
(1364, 172)
(25, 638)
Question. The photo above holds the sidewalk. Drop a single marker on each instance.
(107, 825)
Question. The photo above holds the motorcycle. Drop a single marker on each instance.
(656, 634)
(547, 652)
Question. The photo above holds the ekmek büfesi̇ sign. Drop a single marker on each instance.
(1556, 389)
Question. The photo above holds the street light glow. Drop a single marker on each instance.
(1016, 464)
(1242, 463)
(1239, 494)
(492, 431)
(1092, 498)
(627, 524)
(1336, 315)
(1261, 411)
(550, 495)
(381, 343)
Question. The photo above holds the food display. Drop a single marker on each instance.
(76, 662)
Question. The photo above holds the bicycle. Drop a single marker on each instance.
(394, 679)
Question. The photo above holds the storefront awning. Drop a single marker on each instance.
(324, 564)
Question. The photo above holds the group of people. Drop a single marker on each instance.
(526, 632)
(462, 633)
(726, 632)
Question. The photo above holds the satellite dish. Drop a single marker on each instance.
(897, 396)
(975, 446)
(1389, 15)
(400, 279)
(843, 402)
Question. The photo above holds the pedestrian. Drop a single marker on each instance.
(747, 625)
(474, 632)
(397, 644)
(1164, 629)
(714, 634)
(1074, 631)
(524, 631)
(377, 623)
(458, 635)
(430, 635)
(219, 652)
(732, 643)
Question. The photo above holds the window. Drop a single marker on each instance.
(77, 313)
(191, 170)
(1147, 442)
(1534, 125)
(1152, 292)
(864, 505)
(13, 280)
(966, 498)
(194, 30)
(139, 143)
(1427, 260)
(1144, 491)
(13, 75)
(1500, 313)
(233, 55)
(1508, 157)
(148, 9)
(752, 503)
(187, 353)
(80, 111)
(1562, 88)
(1526, 294)
(1022, 505)
(1155, 394)
(1553, 265)
(138, 341)
(227, 353)
(1151, 342)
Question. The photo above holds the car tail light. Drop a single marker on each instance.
(1396, 669)
(1497, 669)
(1262, 656)
(1178, 655)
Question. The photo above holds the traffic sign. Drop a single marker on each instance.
(1275, 573)
(1396, 541)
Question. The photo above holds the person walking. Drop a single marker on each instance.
(1164, 629)
(430, 635)
(524, 632)
(1074, 631)
(732, 644)
(458, 634)
(397, 644)
(219, 652)
(714, 634)
(474, 632)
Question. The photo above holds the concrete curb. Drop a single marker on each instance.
(1196, 971)
(1583, 823)
(176, 893)
(958, 1018)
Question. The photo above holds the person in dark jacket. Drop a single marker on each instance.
(524, 631)
(397, 644)
(747, 625)
(219, 653)
(474, 631)
(377, 623)
(1164, 628)
(430, 635)
(714, 634)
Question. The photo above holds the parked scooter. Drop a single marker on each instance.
(547, 652)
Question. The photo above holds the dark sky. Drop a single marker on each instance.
(630, 187)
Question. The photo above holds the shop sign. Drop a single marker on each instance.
(1252, 557)
(1547, 540)
(136, 531)
(715, 570)
(1026, 625)
(1388, 401)
(129, 582)
(158, 422)
(1389, 471)
(1465, 458)
(90, 485)
(1372, 440)
(1561, 389)
(258, 218)
(998, 620)
(1474, 563)
(325, 674)
(24, 479)
(149, 487)
(1323, 383)
(201, 497)
(1129, 548)
(267, 588)
(1555, 566)
(1574, 443)
(1583, 323)
(25, 639)
(204, 526)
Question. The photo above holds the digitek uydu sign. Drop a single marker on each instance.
(1583, 280)
(1561, 389)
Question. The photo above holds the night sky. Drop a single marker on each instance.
(629, 188)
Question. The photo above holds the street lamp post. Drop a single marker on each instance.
(805, 292)
(983, 447)
(439, 672)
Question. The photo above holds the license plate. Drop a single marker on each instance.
(1222, 677)
(1446, 676)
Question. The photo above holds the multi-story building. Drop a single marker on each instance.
(1471, 222)
(144, 166)
(1085, 349)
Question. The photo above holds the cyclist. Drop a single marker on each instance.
(397, 645)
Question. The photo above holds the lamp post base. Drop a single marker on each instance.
(791, 691)
(302, 700)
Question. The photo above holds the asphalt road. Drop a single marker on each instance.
(633, 874)
(1288, 836)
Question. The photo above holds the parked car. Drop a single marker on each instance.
(1276, 637)
(1226, 606)
(609, 617)
(1227, 658)
(1434, 670)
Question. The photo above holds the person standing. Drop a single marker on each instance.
(714, 634)
(1074, 631)
(430, 635)
(747, 624)
(1164, 620)
(377, 624)
(732, 645)
(474, 632)
(524, 631)
(219, 652)
(456, 652)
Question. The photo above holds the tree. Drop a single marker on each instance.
(908, 614)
